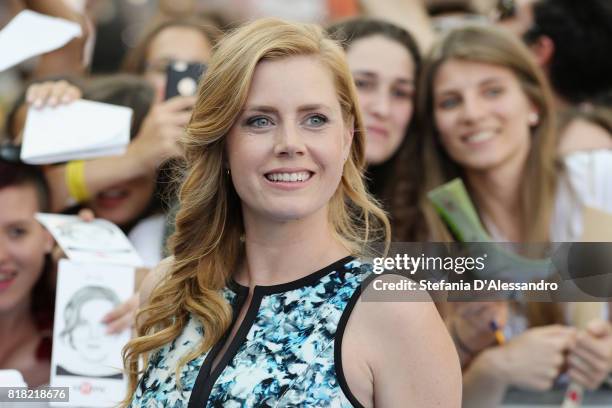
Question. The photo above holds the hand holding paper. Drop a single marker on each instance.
(80, 130)
(30, 34)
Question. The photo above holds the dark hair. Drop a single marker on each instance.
(441, 8)
(136, 59)
(43, 292)
(349, 31)
(20, 174)
(581, 65)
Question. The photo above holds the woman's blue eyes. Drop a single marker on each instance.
(260, 122)
(316, 120)
(449, 103)
(493, 92)
(452, 102)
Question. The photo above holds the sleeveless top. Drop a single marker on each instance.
(286, 352)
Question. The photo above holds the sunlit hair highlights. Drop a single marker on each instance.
(207, 244)
(490, 45)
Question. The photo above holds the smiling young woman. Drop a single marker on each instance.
(27, 292)
(259, 304)
(486, 116)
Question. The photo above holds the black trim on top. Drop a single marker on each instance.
(346, 313)
(206, 379)
(197, 400)
(308, 280)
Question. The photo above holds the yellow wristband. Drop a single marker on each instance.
(75, 180)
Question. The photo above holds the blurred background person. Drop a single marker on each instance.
(384, 61)
(570, 41)
(487, 116)
(27, 278)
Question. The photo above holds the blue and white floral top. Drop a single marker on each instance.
(286, 352)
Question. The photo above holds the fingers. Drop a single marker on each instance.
(179, 103)
(180, 118)
(121, 324)
(52, 93)
(584, 378)
(591, 357)
(86, 214)
(122, 316)
(597, 348)
(565, 334)
(599, 328)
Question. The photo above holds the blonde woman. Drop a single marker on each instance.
(259, 304)
(487, 117)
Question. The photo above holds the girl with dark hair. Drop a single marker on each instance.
(384, 60)
(26, 274)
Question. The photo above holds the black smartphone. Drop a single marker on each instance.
(182, 78)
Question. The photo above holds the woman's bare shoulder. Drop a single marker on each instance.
(406, 347)
(583, 135)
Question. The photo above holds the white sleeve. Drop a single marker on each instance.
(590, 174)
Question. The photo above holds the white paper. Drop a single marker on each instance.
(29, 34)
(12, 378)
(98, 241)
(84, 357)
(79, 130)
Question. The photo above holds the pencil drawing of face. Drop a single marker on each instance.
(83, 235)
(84, 331)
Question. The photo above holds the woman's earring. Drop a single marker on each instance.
(534, 119)
(228, 172)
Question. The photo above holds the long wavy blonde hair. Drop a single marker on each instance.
(207, 245)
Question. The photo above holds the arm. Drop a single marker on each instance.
(156, 141)
(484, 384)
(530, 361)
(69, 58)
(416, 342)
(581, 135)
(100, 174)
(590, 360)
(407, 356)
(469, 326)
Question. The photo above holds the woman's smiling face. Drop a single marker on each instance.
(287, 149)
(23, 245)
(482, 114)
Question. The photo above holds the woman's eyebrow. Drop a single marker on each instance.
(273, 110)
(364, 73)
(260, 108)
(404, 81)
(491, 80)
